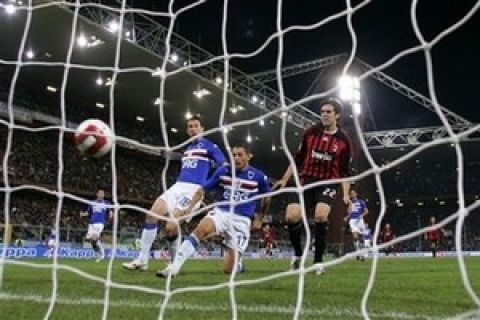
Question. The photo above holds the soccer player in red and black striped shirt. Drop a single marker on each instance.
(433, 237)
(324, 154)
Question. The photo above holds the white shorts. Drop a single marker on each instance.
(94, 229)
(51, 242)
(179, 196)
(357, 225)
(235, 228)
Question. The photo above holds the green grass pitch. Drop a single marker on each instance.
(404, 289)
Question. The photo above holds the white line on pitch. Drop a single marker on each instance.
(272, 309)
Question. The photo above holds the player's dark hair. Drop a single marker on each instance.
(194, 118)
(243, 145)
(337, 104)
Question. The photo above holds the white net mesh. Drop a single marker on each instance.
(198, 64)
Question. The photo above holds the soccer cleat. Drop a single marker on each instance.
(168, 271)
(135, 265)
(240, 268)
(319, 270)
(295, 264)
(100, 258)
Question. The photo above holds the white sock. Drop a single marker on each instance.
(185, 251)
(100, 248)
(148, 236)
(357, 245)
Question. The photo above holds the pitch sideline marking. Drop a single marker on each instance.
(269, 309)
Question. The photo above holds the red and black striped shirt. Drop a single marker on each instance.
(433, 235)
(323, 155)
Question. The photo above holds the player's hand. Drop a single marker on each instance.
(280, 184)
(345, 218)
(83, 213)
(346, 199)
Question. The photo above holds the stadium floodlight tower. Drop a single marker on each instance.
(349, 91)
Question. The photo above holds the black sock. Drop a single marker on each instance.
(295, 231)
(320, 235)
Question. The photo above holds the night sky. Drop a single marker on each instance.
(383, 29)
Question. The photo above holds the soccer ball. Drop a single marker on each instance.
(93, 138)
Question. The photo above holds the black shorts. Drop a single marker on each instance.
(320, 194)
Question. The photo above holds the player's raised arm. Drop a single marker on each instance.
(365, 210)
(345, 169)
(299, 158)
(218, 156)
(280, 184)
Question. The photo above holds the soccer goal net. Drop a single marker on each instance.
(129, 63)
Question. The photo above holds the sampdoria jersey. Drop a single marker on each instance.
(98, 212)
(367, 234)
(196, 161)
(248, 183)
(358, 208)
(53, 233)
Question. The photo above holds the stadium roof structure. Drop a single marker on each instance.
(194, 83)
(378, 139)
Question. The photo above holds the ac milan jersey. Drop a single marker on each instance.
(98, 211)
(248, 183)
(268, 236)
(196, 161)
(324, 155)
(387, 235)
(433, 235)
(358, 208)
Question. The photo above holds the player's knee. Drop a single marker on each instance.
(293, 213)
(202, 232)
(171, 229)
(150, 219)
(320, 218)
(292, 217)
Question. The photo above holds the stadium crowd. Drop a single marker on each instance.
(428, 178)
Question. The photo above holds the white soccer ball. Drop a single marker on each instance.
(93, 138)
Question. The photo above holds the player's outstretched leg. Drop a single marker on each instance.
(188, 247)
(171, 235)
(185, 251)
(149, 233)
(294, 224)
(434, 249)
(101, 251)
(321, 228)
(240, 265)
